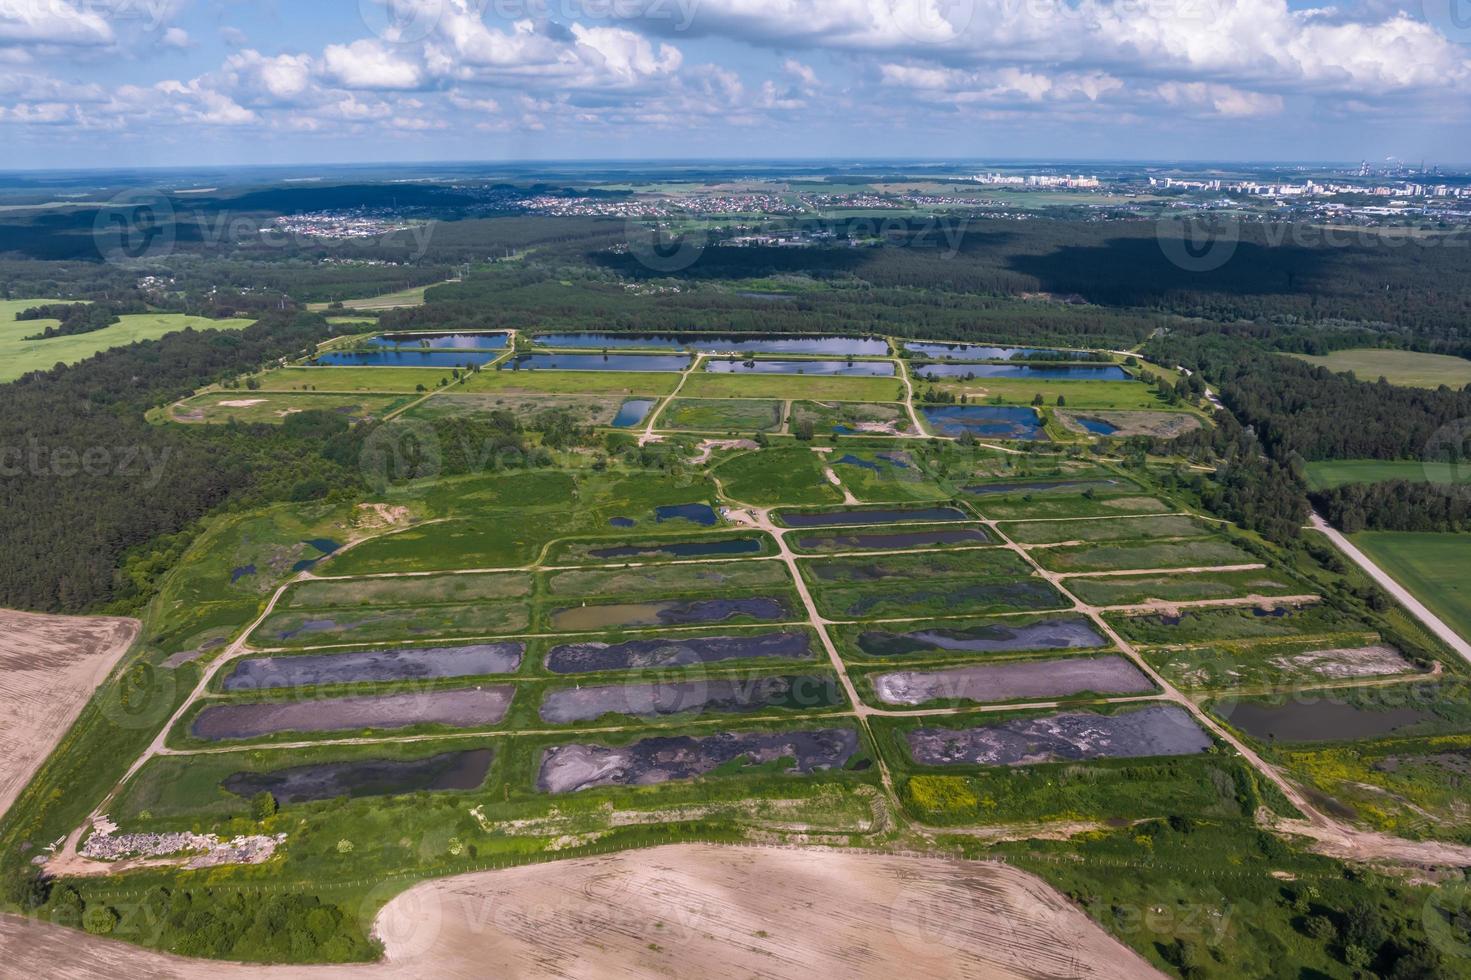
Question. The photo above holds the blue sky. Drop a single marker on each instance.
(176, 82)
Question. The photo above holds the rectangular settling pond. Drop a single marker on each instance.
(668, 613)
(1052, 634)
(443, 341)
(1031, 680)
(459, 708)
(598, 362)
(1164, 729)
(895, 541)
(717, 344)
(365, 666)
(971, 352)
(652, 700)
(568, 768)
(860, 369)
(1320, 720)
(676, 651)
(682, 549)
(366, 777)
(1026, 372)
(985, 421)
(405, 358)
(894, 515)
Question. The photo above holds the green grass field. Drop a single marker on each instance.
(777, 476)
(1324, 474)
(387, 380)
(1114, 529)
(253, 406)
(1400, 367)
(1125, 590)
(1078, 394)
(812, 387)
(413, 296)
(1436, 568)
(573, 382)
(19, 356)
(722, 415)
(1143, 556)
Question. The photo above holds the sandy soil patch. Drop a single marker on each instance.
(374, 517)
(1162, 425)
(707, 448)
(241, 402)
(49, 667)
(1370, 661)
(681, 910)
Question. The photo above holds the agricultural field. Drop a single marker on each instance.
(414, 296)
(1326, 474)
(49, 667)
(19, 356)
(1436, 568)
(1399, 367)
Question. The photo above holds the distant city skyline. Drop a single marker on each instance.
(150, 83)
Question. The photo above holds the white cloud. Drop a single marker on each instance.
(175, 37)
(51, 22)
(370, 65)
(261, 80)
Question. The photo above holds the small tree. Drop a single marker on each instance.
(1038, 401)
(263, 805)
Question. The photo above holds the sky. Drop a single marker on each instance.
(89, 83)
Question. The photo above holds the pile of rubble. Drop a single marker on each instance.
(208, 850)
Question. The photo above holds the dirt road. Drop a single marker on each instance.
(1432, 622)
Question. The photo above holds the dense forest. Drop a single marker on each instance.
(1395, 505)
(1301, 410)
(85, 479)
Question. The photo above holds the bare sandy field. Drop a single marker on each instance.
(680, 910)
(49, 667)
